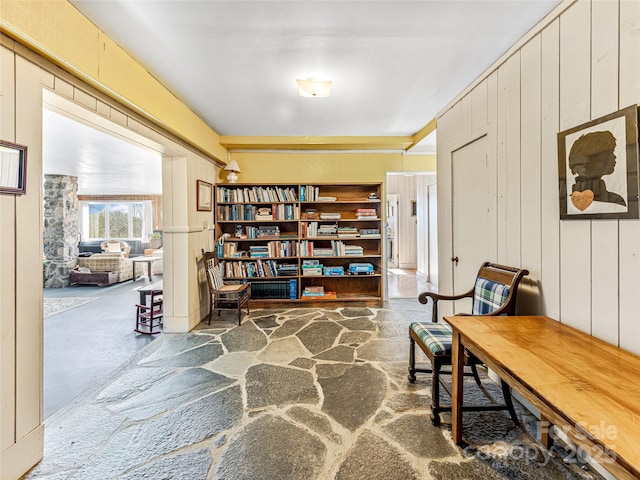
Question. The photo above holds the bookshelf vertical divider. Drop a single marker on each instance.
(307, 244)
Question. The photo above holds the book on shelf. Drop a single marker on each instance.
(327, 296)
(313, 290)
(330, 216)
(335, 271)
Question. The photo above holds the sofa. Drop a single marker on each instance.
(108, 262)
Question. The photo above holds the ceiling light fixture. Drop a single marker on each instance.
(314, 87)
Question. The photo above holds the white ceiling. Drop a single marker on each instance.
(394, 64)
(104, 164)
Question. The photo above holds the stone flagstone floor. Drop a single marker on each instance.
(291, 394)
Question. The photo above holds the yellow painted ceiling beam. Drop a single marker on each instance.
(317, 143)
(424, 131)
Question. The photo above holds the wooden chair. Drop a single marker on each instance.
(494, 293)
(224, 296)
(149, 316)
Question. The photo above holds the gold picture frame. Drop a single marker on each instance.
(204, 196)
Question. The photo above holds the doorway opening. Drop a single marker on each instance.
(411, 233)
(92, 168)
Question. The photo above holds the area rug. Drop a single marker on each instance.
(53, 306)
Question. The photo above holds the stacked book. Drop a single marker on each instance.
(259, 251)
(369, 232)
(328, 230)
(287, 269)
(322, 252)
(268, 231)
(348, 232)
(317, 293)
(311, 268)
(326, 199)
(330, 215)
(353, 250)
(366, 214)
(333, 271)
(313, 291)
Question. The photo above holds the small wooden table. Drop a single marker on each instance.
(148, 260)
(586, 387)
(144, 291)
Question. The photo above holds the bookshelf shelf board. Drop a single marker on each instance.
(279, 277)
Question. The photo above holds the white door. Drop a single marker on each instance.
(392, 230)
(474, 216)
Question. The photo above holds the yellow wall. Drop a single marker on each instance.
(57, 31)
(294, 167)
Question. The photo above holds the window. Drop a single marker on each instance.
(125, 220)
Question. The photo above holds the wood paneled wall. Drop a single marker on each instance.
(580, 64)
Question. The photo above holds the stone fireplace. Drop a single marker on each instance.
(61, 234)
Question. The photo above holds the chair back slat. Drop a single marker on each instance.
(489, 296)
(214, 274)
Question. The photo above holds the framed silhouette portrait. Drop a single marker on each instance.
(598, 167)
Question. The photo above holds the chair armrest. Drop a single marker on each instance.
(424, 298)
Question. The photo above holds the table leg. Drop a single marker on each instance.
(149, 269)
(457, 372)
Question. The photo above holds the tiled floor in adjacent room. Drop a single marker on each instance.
(291, 394)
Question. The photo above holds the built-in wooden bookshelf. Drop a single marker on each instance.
(295, 241)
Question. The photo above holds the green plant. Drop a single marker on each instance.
(156, 236)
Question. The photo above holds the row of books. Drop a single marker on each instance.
(337, 249)
(274, 249)
(249, 212)
(287, 289)
(256, 194)
(258, 268)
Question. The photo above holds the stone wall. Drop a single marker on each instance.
(61, 234)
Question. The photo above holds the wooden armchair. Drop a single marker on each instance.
(224, 296)
(116, 246)
(494, 293)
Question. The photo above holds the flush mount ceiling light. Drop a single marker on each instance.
(314, 87)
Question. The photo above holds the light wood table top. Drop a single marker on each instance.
(577, 381)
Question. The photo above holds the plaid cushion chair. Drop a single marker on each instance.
(494, 293)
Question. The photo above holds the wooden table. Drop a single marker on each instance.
(584, 386)
(148, 260)
(144, 291)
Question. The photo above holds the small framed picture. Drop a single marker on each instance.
(13, 168)
(598, 167)
(204, 195)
